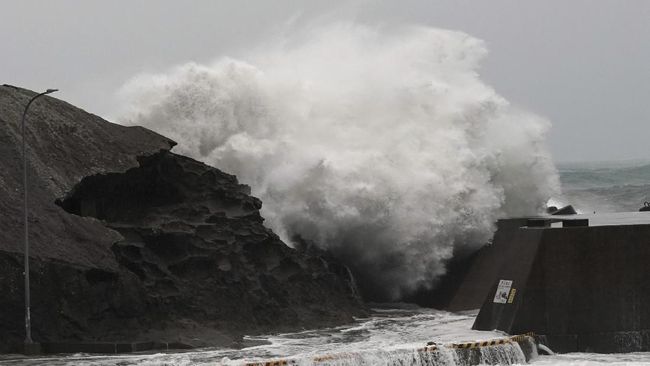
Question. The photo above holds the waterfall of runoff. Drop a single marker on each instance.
(382, 146)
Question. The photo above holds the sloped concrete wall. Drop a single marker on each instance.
(486, 266)
(518, 251)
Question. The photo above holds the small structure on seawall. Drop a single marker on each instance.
(581, 282)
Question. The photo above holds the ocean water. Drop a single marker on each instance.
(388, 337)
(604, 186)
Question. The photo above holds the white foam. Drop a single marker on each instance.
(389, 337)
(594, 359)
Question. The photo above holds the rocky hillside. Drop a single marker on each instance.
(130, 241)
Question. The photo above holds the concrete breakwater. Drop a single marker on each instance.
(581, 282)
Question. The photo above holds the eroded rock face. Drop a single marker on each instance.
(64, 145)
(144, 244)
(196, 241)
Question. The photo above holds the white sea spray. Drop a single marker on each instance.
(381, 145)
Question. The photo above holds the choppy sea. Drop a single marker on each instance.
(605, 186)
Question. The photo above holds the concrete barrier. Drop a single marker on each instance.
(487, 265)
(582, 288)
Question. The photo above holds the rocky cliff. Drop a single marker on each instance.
(130, 241)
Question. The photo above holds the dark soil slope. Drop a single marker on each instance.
(132, 242)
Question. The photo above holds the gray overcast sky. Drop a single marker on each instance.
(585, 65)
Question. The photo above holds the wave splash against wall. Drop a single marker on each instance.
(382, 146)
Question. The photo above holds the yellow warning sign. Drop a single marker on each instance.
(511, 298)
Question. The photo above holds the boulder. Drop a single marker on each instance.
(566, 210)
(645, 208)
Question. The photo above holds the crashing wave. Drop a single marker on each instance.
(382, 146)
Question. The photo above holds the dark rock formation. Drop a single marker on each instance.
(153, 246)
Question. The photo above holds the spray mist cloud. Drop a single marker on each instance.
(384, 148)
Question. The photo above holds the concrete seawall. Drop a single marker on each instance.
(583, 288)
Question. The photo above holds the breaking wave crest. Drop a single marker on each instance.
(382, 146)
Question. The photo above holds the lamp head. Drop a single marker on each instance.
(48, 91)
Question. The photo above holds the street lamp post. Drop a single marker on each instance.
(28, 325)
